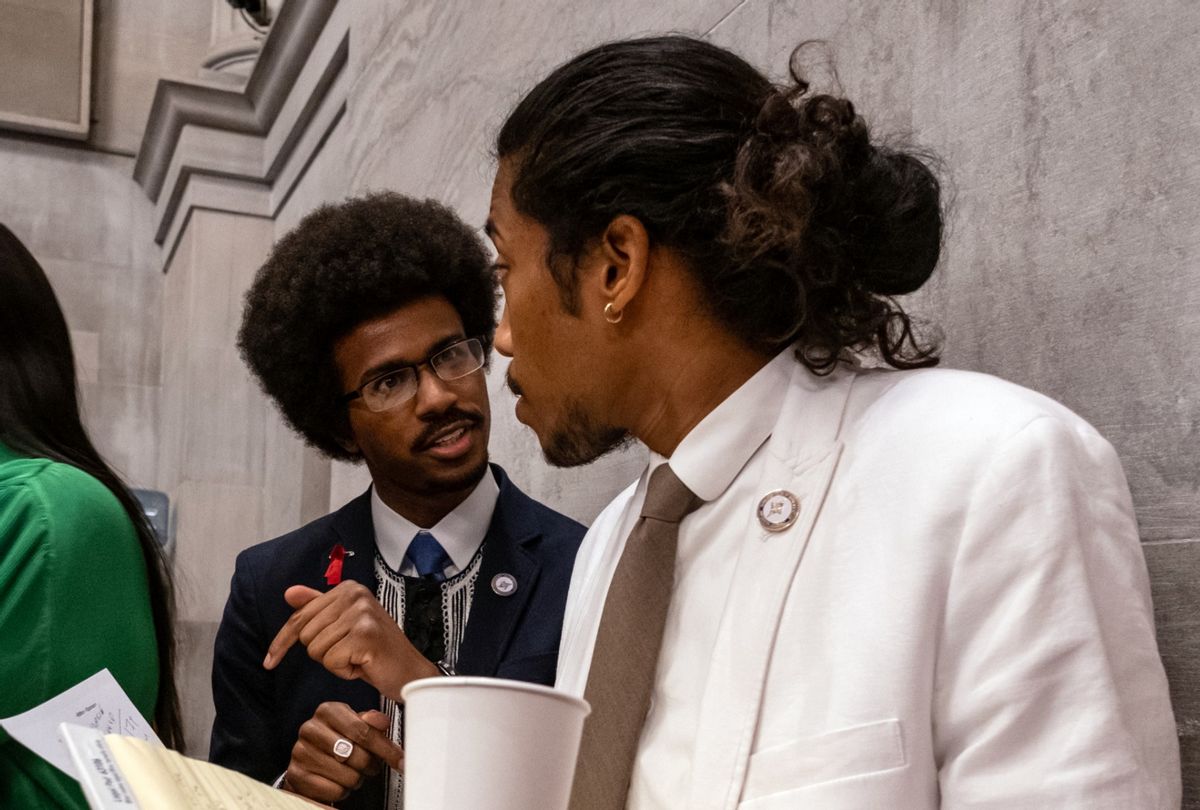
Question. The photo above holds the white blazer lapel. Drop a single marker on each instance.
(803, 454)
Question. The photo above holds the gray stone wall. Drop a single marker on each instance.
(87, 223)
(138, 42)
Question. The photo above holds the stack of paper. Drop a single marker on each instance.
(94, 733)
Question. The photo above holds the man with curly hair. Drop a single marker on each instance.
(370, 326)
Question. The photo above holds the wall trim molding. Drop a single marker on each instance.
(263, 135)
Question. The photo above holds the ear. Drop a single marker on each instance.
(625, 249)
(343, 434)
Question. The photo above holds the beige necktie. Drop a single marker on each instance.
(624, 660)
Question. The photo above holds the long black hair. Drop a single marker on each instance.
(39, 417)
(795, 224)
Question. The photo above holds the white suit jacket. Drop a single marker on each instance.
(959, 618)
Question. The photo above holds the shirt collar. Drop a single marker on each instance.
(714, 452)
(460, 532)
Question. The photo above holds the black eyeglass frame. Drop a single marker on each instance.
(481, 353)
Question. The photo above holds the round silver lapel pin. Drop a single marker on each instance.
(504, 584)
(778, 510)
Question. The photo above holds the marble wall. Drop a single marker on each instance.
(138, 42)
(88, 224)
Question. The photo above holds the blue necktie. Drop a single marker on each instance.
(426, 554)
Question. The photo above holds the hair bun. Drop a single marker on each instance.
(809, 183)
(894, 222)
(777, 118)
(832, 123)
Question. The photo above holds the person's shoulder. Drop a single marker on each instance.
(276, 553)
(549, 522)
(66, 495)
(24, 508)
(950, 405)
(555, 522)
(49, 480)
(16, 472)
(60, 515)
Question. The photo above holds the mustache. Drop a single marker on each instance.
(512, 384)
(439, 422)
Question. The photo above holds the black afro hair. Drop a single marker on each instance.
(345, 264)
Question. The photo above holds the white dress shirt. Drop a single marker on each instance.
(461, 532)
(726, 442)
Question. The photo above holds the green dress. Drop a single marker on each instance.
(73, 600)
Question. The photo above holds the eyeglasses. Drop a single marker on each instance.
(399, 385)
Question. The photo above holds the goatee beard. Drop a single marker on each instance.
(581, 440)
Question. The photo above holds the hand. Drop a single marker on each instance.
(315, 773)
(348, 632)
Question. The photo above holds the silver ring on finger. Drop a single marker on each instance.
(342, 749)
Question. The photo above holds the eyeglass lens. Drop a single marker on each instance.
(451, 363)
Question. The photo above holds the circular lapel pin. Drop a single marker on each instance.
(504, 584)
(778, 510)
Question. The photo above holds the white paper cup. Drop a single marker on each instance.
(472, 743)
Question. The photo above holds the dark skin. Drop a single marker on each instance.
(426, 455)
(315, 774)
(412, 475)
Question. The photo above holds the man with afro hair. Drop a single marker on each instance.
(370, 325)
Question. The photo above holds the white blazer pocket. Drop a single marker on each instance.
(846, 752)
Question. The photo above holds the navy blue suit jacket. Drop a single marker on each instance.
(259, 712)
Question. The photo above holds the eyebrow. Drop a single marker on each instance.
(396, 363)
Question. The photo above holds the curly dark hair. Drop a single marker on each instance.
(796, 226)
(345, 264)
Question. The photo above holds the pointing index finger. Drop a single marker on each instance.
(289, 634)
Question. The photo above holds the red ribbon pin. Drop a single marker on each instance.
(333, 574)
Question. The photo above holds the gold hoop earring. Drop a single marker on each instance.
(611, 315)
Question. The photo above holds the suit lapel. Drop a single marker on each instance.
(355, 530)
(494, 617)
(803, 453)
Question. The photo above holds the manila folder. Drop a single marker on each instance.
(131, 774)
